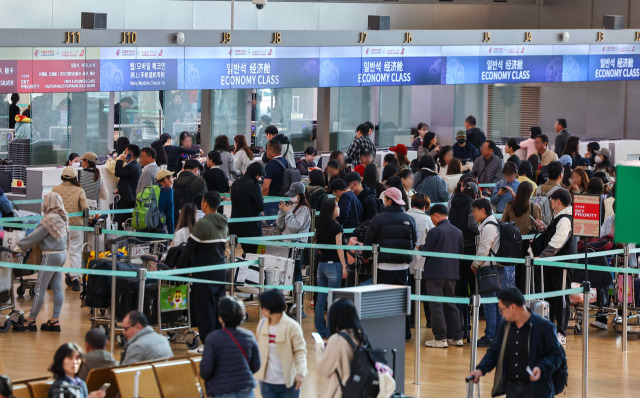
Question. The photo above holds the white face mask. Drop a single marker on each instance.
(294, 199)
(598, 159)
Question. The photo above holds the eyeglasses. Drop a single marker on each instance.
(125, 328)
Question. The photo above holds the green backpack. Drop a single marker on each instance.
(146, 214)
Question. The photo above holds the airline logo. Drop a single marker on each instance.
(384, 51)
(150, 52)
(126, 52)
(67, 53)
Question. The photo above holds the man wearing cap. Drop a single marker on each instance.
(164, 178)
(463, 150)
(149, 168)
(366, 158)
(441, 275)
(360, 143)
(350, 207)
(74, 200)
(366, 197)
(393, 229)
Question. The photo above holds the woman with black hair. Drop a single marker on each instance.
(231, 354)
(371, 180)
(91, 181)
(525, 173)
(332, 171)
(65, 367)
(572, 148)
(604, 163)
(592, 147)
(429, 145)
(337, 355)
(242, 155)
(510, 149)
(332, 266)
(222, 146)
(428, 182)
(161, 154)
(14, 110)
(73, 158)
(315, 191)
(421, 131)
(538, 176)
(390, 170)
(295, 218)
(175, 154)
(247, 201)
(443, 158)
(283, 351)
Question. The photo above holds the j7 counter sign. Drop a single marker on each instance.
(586, 215)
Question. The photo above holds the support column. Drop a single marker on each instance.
(324, 119)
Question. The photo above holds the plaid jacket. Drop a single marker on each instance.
(357, 146)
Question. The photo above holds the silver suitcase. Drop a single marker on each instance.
(539, 306)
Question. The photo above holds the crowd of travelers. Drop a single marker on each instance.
(452, 199)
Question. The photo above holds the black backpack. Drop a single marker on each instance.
(173, 255)
(289, 176)
(361, 230)
(561, 375)
(363, 380)
(379, 205)
(182, 196)
(510, 240)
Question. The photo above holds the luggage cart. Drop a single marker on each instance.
(7, 294)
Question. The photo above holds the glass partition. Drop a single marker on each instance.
(230, 114)
(181, 110)
(291, 110)
(138, 116)
(350, 106)
(395, 116)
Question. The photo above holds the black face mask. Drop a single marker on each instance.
(461, 141)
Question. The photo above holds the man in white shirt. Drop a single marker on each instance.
(559, 241)
(488, 245)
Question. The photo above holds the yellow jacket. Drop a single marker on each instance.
(291, 346)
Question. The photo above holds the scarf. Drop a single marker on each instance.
(55, 218)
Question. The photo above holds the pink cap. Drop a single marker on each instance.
(395, 195)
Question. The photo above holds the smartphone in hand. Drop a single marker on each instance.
(317, 338)
(105, 386)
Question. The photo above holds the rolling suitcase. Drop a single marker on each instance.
(540, 306)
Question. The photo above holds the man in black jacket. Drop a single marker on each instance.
(364, 194)
(189, 187)
(393, 229)
(475, 136)
(441, 275)
(530, 343)
(206, 246)
(128, 171)
(247, 201)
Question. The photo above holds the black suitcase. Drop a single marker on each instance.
(98, 294)
(127, 300)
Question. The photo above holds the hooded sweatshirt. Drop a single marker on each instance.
(206, 246)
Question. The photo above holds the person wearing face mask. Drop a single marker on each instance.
(603, 162)
(74, 160)
(247, 201)
(463, 150)
(422, 130)
(592, 147)
(295, 218)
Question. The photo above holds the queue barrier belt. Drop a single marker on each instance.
(163, 275)
(27, 201)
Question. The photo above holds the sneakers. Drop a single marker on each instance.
(562, 339)
(198, 350)
(599, 325)
(436, 343)
(75, 285)
(455, 343)
(484, 342)
(312, 305)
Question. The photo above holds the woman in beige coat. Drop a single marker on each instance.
(283, 351)
(337, 354)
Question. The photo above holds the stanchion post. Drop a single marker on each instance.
(97, 231)
(114, 267)
(85, 222)
(475, 302)
(297, 288)
(528, 264)
(416, 367)
(142, 277)
(375, 250)
(625, 302)
(312, 251)
(233, 243)
(585, 342)
(261, 276)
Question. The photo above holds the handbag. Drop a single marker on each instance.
(488, 279)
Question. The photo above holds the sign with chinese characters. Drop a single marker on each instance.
(383, 66)
(519, 64)
(614, 62)
(586, 215)
(63, 69)
(15, 69)
(141, 68)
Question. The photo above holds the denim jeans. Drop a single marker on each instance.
(491, 314)
(236, 394)
(329, 275)
(278, 391)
